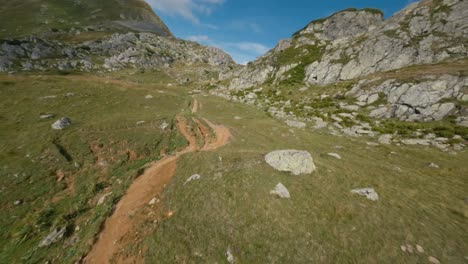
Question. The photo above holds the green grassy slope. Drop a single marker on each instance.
(25, 17)
(230, 206)
(104, 141)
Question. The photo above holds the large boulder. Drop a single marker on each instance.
(295, 161)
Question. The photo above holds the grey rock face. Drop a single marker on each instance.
(62, 123)
(295, 161)
(391, 46)
(411, 101)
(129, 50)
(280, 191)
(358, 43)
(370, 193)
(344, 24)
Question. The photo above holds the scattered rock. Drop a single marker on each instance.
(53, 237)
(295, 161)
(296, 124)
(229, 256)
(280, 191)
(62, 123)
(102, 199)
(433, 260)
(419, 249)
(370, 193)
(335, 155)
(433, 165)
(409, 248)
(149, 96)
(415, 141)
(403, 248)
(385, 139)
(18, 202)
(140, 122)
(237, 118)
(319, 123)
(164, 125)
(153, 201)
(46, 116)
(192, 178)
(49, 97)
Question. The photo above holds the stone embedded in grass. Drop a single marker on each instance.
(335, 155)
(18, 202)
(102, 199)
(164, 125)
(46, 116)
(295, 161)
(62, 123)
(140, 122)
(149, 96)
(370, 193)
(295, 124)
(280, 191)
(229, 256)
(433, 165)
(192, 178)
(53, 237)
(433, 260)
(420, 249)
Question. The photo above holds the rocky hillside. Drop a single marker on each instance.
(87, 35)
(109, 53)
(353, 68)
(26, 17)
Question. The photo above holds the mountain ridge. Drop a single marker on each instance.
(22, 18)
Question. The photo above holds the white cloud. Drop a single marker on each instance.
(188, 9)
(252, 47)
(242, 52)
(199, 38)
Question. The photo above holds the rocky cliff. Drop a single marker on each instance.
(362, 75)
(355, 43)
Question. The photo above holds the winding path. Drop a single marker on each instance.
(150, 185)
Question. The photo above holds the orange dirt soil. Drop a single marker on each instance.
(146, 187)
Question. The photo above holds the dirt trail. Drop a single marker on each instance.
(194, 106)
(146, 187)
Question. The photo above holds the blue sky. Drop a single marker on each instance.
(247, 29)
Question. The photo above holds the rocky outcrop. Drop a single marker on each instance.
(422, 33)
(137, 50)
(344, 24)
(426, 99)
(355, 43)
